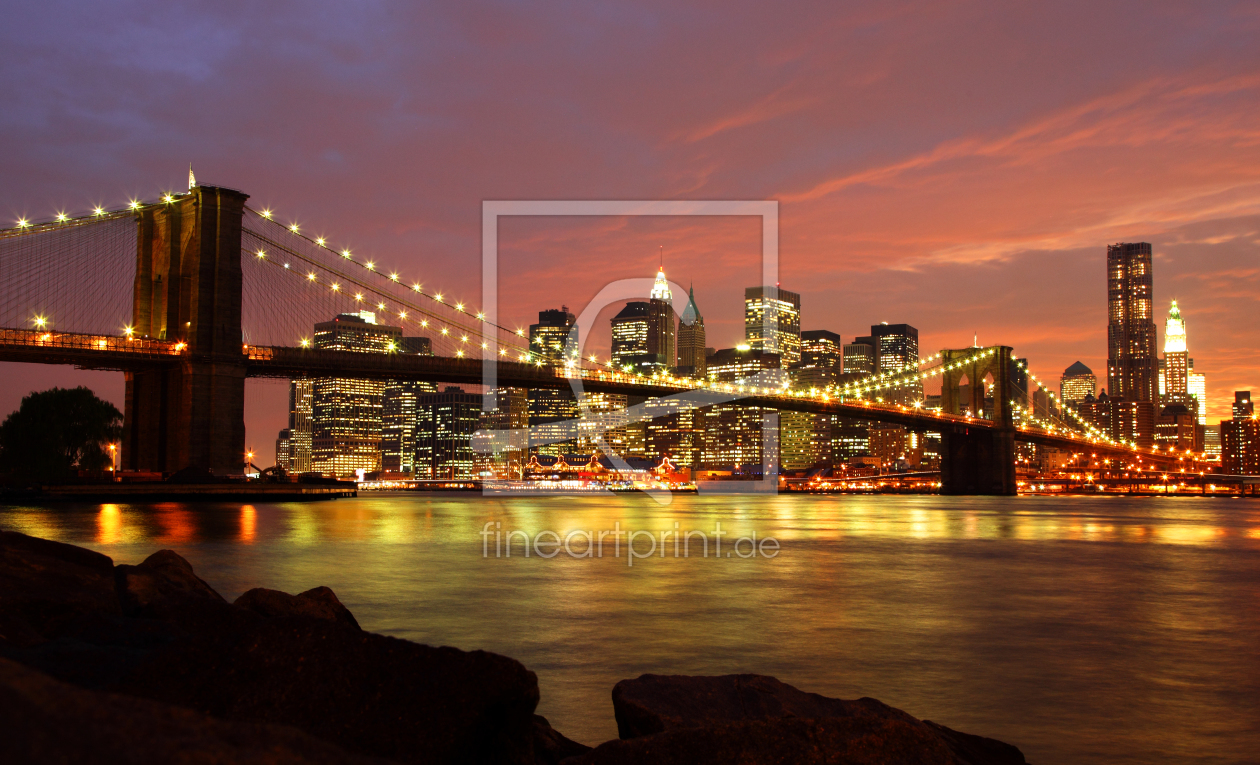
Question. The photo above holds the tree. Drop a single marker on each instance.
(57, 431)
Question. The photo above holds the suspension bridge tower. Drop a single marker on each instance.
(188, 289)
(978, 460)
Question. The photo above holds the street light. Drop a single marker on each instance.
(113, 462)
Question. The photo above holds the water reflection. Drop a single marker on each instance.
(1082, 629)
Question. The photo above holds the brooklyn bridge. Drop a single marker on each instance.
(190, 295)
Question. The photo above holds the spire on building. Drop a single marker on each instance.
(691, 314)
(660, 290)
(192, 179)
(1175, 331)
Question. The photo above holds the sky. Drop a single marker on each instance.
(958, 166)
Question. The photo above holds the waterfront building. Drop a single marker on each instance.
(1240, 445)
(772, 322)
(301, 395)
(850, 438)
(1176, 427)
(797, 448)
(505, 409)
(1196, 384)
(551, 412)
(1175, 370)
(1132, 367)
(691, 339)
(445, 423)
(1212, 442)
(399, 402)
(897, 350)
(735, 437)
(284, 447)
(1077, 384)
(822, 359)
(674, 431)
(346, 413)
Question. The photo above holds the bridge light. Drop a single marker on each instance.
(460, 353)
(438, 297)
(416, 286)
(481, 316)
(62, 217)
(310, 276)
(23, 223)
(168, 198)
(464, 339)
(262, 253)
(40, 322)
(305, 343)
(180, 346)
(485, 346)
(266, 214)
(134, 205)
(286, 265)
(380, 306)
(129, 331)
(369, 265)
(402, 314)
(459, 306)
(336, 287)
(358, 296)
(503, 351)
(98, 210)
(345, 253)
(445, 331)
(393, 277)
(294, 228)
(520, 333)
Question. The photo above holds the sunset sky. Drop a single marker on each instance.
(957, 166)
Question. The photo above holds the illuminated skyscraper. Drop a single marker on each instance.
(1196, 384)
(897, 350)
(691, 339)
(550, 411)
(643, 334)
(733, 434)
(346, 421)
(300, 411)
(1176, 367)
(772, 322)
(553, 337)
(1131, 335)
(1077, 384)
(445, 424)
(859, 356)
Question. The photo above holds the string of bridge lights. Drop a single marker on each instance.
(1064, 406)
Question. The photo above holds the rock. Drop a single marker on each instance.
(319, 603)
(162, 583)
(785, 741)
(46, 721)
(550, 746)
(365, 692)
(758, 718)
(46, 585)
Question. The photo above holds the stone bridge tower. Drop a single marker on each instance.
(978, 460)
(188, 289)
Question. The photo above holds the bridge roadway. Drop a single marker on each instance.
(107, 352)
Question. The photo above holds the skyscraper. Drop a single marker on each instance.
(859, 356)
(301, 392)
(445, 423)
(897, 350)
(733, 435)
(643, 334)
(1176, 366)
(691, 339)
(553, 337)
(1077, 383)
(1131, 335)
(772, 322)
(346, 413)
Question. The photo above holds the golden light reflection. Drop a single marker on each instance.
(178, 523)
(109, 525)
(249, 523)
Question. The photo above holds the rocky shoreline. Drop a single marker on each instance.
(148, 664)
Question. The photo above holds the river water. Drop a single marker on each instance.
(1081, 629)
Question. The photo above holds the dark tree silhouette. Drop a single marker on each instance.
(57, 431)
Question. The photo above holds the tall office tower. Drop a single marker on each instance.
(691, 339)
(553, 337)
(859, 356)
(643, 334)
(674, 431)
(508, 410)
(805, 440)
(733, 435)
(1196, 384)
(1131, 335)
(1176, 363)
(550, 411)
(897, 351)
(398, 412)
(1077, 384)
(284, 450)
(772, 322)
(602, 415)
(445, 423)
(301, 393)
(822, 359)
(1243, 405)
(346, 419)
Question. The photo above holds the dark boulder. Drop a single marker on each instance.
(46, 721)
(319, 603)
(551, 746)
(45, 586)
(756, 719)
(163, 583)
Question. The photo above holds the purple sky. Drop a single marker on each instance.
(958, 166)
